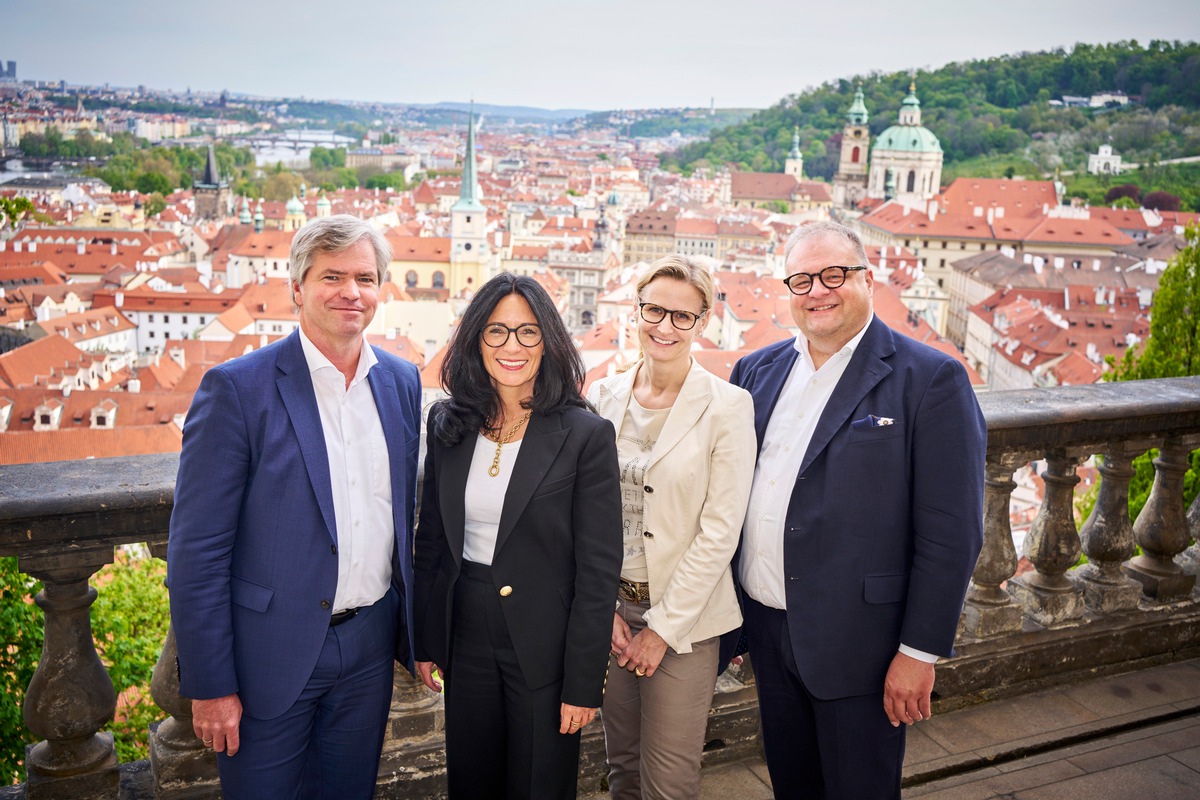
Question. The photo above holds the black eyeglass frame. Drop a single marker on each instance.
(509, 334)
(813, 277)
(671, 312)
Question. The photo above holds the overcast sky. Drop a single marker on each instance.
(546, 53)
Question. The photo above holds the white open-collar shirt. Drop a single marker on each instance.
(359, 477)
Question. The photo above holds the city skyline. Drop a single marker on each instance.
(538, 53)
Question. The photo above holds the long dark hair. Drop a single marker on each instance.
(473, 400)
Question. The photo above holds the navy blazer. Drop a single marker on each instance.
(251, 564)
(558, 550)
(885, 520)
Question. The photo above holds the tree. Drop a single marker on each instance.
(20, 648)
(129, 623)
(155, 205)
(1172, 351)
(151, 182)
(1161, 201)
(1130, 190)
(12, 208)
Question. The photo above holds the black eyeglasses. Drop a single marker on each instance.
(681, 320)
(831, 278)
(496, 335)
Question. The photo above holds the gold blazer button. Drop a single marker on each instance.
(505, 591)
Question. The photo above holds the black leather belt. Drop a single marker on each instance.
(633, 591)
(342, 616)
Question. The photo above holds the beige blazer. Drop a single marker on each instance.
(696, 489)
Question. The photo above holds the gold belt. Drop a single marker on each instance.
(633, 591)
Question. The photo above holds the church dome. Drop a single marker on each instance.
(908, 139)
(323, 202)
(294, 206)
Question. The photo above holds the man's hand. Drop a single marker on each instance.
(573, 718)
(906, 690)
(425, 671)
(216, 722)
(644, 653)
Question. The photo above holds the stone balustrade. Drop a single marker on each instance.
(1117, 611)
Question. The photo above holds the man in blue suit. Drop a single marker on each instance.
(290, 556)
(864, 523)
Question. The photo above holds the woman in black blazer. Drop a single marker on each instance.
(518, 549)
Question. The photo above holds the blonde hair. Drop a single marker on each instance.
(691, 271)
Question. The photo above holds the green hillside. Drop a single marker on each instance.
(993, 109)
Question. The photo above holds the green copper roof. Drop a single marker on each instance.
(468, 195)
(858, 109)
(294, 206)
(795, 153)
(908, 139)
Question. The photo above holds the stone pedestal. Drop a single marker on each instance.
(1049, 606)
(984, 621)
(85, 769)
(1161, 579)
(1102, 594)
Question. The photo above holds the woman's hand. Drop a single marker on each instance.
(425, 670)
(644, 653)
(620, 635)
(574, 718)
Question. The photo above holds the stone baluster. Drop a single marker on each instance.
(1189, 559)
(1161, 529)
(1052, 544)
(1107, 538)
(989, 610)
(182, 766)
(71, 695)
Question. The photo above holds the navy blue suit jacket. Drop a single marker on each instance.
(251, 564)
(885, 521)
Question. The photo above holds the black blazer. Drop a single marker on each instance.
(558, 549)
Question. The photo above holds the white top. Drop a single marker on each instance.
(359, 476)
(640, 429)
(485, 498)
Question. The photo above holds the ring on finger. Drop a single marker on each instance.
(641, 673)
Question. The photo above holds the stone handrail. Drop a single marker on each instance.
(63, 520)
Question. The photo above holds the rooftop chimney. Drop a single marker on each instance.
(80, 247)
(113, 249)
(33, 247)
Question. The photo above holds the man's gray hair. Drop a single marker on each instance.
(827, 228)
(334, 235)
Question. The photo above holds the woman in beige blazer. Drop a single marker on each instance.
(686, 446)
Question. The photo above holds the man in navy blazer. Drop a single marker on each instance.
(290, 554)
(864, 524)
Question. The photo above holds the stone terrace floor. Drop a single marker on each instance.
(1123, 737)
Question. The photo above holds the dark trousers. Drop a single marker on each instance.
(841, 749)
(327, 744)
(502, 738)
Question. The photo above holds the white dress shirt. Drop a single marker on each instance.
(359, 476)
(789, 432)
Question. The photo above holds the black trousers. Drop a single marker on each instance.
(840, 749)
(502, 738)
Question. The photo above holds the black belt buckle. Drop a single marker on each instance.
(342, 616)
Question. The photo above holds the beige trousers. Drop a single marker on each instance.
(654, 727)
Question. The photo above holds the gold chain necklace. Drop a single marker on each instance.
(494, 470)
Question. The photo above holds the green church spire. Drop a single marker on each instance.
(858, 109)
(469, 194)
